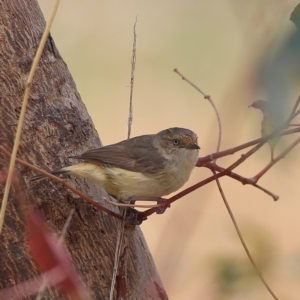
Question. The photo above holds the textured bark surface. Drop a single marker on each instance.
(57, 125)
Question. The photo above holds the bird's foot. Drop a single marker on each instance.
(162, 209)
(160, 201)
(132, 216)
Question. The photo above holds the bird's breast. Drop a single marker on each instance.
(179, 169)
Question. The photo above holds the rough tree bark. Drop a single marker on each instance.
(57, 125)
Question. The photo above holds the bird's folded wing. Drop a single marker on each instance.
(138, 156)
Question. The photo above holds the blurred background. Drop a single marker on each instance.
(229, 49)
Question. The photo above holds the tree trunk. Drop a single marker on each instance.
(57, 126)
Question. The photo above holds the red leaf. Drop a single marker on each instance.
(50, 253)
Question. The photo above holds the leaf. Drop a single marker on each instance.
(49, 254)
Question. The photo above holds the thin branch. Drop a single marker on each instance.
(275, 160)
(66, 226)
(211, 178)
(57, 179)
(130, 119)
(244, 244)
(201, 162)
(23, 110)
(243, 180)
(191, 83)
(196, 186)
(209, 98)
(220, 187)
(117, 254)
(275, 197)
(133, 61)
(230, 151)
(226, 171)
(260, 142)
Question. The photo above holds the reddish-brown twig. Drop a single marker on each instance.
(207, 97)
(230, 151)
(260, 142)
(275, 160)
(223, 194)
(243, 180)
(83, 196)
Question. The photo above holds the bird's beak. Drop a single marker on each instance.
(251, 105)
(192, 146)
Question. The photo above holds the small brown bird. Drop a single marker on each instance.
(269, 122)
(147, 166)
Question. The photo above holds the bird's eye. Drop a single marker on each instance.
(175, 142)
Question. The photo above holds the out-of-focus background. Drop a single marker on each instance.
(224, 47)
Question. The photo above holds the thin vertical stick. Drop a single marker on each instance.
(23, 110)
(130, 119)
(220, 187)
(133, 60)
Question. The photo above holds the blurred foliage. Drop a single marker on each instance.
(280, 72)
(233, 275)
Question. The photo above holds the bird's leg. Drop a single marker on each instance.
(132, 216)
(159, 200)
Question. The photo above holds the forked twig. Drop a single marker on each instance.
(223, 194)
(230, 151)
(276, 159)
(243, 180)
(225, 172)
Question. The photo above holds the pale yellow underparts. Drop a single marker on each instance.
(124, 184)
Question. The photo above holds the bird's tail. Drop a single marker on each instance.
(55, 172)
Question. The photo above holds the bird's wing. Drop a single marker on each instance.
(136, 154)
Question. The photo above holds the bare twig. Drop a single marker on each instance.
(244, 244)
(275, 197)
(226, 171)
(243, 180)
(230, 151)
(80, 194)
(66, 226)
(133, 60)
(208, 97)
(220, 187)
(275, 160)
(130, 119)
(23, 110)
(120, 237)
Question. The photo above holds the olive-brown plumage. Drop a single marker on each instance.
(145, 166)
